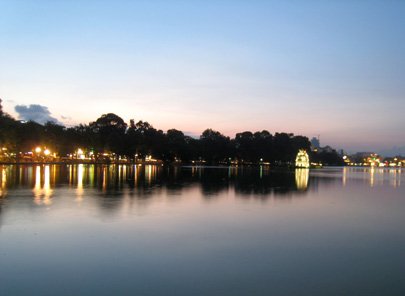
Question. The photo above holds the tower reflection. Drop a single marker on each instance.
(301, 178)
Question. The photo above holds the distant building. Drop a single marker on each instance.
(315, 143)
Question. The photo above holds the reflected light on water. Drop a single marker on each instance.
(47, 186)
(372, 172)
(70, 174)
(3, 182)
(37, 187)
(43, 192)
(234, 230)
(124, 172)
(383, 176)
(136, 175)
(91, 175)
(196, 170)
(373, 177)
(395, 178)
(344, 177)
(148, 170)
(79, 190)
(44, 180)
(301, 178)
(104, 178)
(399, 177)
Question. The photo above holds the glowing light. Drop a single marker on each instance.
(3, 183)
(37, 187)
(43, 194)
(79, 191)
(301, 178)
(47, 152)
(38, 149)
(344, 176)
(47, 191)
(372, 172)
(302, 159)
(148, 170)
(104, 178)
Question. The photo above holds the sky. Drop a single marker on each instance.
(329, 68)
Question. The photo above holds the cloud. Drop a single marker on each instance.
(35, 113)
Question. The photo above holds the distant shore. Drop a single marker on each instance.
(157, 162)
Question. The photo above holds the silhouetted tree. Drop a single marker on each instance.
(300, 142)
(244, 144)
(176, 144)
(111, 133)
(263, 145)
(328, 158)
(215, 146)
(283, 149)
(110, 130)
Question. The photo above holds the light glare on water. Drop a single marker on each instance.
(151, 230)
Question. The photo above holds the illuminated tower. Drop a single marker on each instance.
(302, 159)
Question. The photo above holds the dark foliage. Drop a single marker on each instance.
(110, 133)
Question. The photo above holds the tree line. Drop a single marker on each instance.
(110, 133)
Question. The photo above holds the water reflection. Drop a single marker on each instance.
(248, 231)
(172, 221)
(301, 178)
(380, 176)
(42, 190)
(395, 181)
(138, 180)
(79, 191)
(143, 180)
(3, 182)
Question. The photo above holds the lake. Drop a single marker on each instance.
(152, 230)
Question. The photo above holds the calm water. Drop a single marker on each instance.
(124, 230)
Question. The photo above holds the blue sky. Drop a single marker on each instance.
(334, 68)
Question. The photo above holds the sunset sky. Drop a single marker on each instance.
(329, 68)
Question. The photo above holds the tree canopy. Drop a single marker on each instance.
(110, 133)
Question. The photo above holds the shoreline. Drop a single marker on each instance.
(156, 163)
